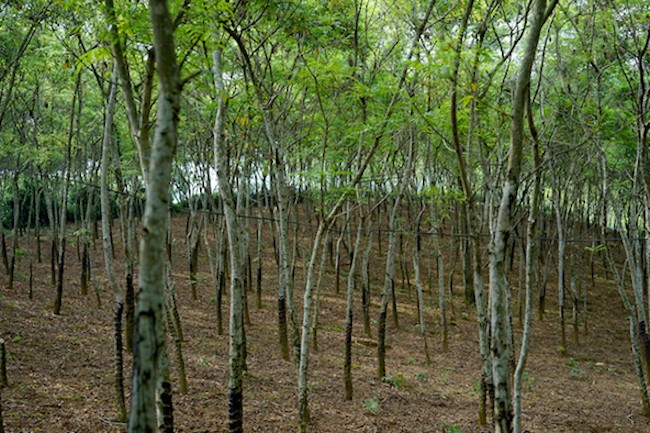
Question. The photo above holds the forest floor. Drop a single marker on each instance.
(61, 377)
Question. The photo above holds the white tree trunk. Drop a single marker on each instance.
(501, 333)
(150, 329)
(234, 230)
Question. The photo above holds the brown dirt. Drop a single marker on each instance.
(60, 367)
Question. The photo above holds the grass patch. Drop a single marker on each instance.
(332, 328)
(372, 405)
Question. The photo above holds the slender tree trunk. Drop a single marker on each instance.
(532, 252)
(4, 382)
(386, 292)
(501, 332)
(118, 360)
(561, 248)
(337, 257)
(575, 303)
(418, 285)
(64, 202)
(149, 366)
(129, 296)
(303, 366)
(2, 423)
(194, 261)
(259, 258)
(349, 314)
(37, 220)
(285, 276)
(442, 304)
(365, 281)
(237, 350)
(471, 223)
(634, 327)
(643, 387)
(5, 256)
(389, 281)
(14, 230)
(315, 321)
(175, 329)
(222, 242)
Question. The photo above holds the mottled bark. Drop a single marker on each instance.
(500, 319)
(150, 349)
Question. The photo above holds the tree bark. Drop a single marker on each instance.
(150, 345)
(64, 203)
(532, 252)
(500, 320)
(349, 314)
(418, 286)
(118, 360)
(235, 234)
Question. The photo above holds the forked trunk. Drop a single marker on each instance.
(501, 333)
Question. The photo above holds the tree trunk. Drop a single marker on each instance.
(64, 202)
(337, 258)
(386, 292)
(531, 255)
(3, 248)
(365, 282)
(561, 248)
(150, 348)
(259, 259)
(349, 315)
(129, 297)
(442, 304)
(237, 350)
(303, 409)
(389, 281)
(501, 332)
(418, 285)
(37, 220)
(118, 360)
(174, 326)
(14, 230)
(315, 321)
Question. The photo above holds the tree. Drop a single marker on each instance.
(150, 346)
(235, 233)
(500, 325)
(108, 251)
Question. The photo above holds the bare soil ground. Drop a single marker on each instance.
(61, 377)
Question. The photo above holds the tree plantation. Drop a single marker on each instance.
(324, 216)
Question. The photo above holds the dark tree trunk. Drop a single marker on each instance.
(5, 257)
(129, 300)
(119, 362)
(54, 252)
(59, 280)
(85, 268)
